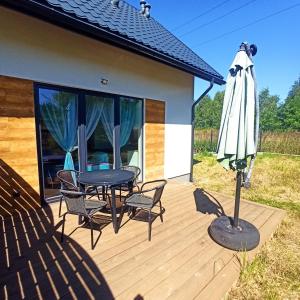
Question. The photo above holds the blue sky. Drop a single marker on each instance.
(277, 36)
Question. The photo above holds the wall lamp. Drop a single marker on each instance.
(104, 81)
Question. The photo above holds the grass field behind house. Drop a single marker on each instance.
(275, 272)
(280, 142)
(287, 142)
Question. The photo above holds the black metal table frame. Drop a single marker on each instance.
(111, 185)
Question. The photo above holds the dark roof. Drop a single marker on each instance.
(124, 26)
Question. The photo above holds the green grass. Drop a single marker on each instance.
(274, 273)
(275, 178)
(288, 206)
(287, 142)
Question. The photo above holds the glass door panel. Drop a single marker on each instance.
(101, 116)
(59, 123)
(131, 131)
(99, 132)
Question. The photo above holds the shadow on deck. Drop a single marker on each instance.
(33, 263)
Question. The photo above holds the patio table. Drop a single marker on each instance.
(111, 178)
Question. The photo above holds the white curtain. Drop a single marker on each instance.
(94, 109)
(128, 114)
(60, 115)
(107, 118)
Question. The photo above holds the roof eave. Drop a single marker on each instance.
(64, 20)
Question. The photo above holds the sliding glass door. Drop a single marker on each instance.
(112, 132)
(59, 123)
(131, 131)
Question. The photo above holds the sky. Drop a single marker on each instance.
(215, 29)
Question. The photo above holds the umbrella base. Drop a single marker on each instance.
(245, 237)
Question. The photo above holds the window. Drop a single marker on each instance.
(113, 132)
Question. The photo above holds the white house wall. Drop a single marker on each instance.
(36, 50)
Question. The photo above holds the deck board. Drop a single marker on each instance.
(181, 261)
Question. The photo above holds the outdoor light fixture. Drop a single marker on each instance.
(104, 81)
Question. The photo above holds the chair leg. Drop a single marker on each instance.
(103, 193)
(121, 215)
(92, 235)
(96, 189)
(149, 226)
(63, 227)
(60, 204)
(129, 210)
(133, 211)
(161, 212)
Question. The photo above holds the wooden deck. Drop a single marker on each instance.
(181, 261)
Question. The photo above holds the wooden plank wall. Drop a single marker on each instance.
(154, 139)
(18, 150)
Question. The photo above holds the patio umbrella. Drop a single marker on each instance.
(238, 137)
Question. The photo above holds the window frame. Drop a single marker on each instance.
(82, 147)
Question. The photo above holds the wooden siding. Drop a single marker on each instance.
(180, 262)
(18, 150)
(154, 139)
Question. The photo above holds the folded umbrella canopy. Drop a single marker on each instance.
(238, 137)
(237, 131)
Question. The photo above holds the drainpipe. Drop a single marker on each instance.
(193, 123)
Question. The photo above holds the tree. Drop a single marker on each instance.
(269, 111)
(295, 87)
(203, 118)
(208, 112)
(217, 108)
(290, 110)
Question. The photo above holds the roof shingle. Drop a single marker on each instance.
(127, 22)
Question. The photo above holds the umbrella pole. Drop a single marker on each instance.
(237, 198)
(234, 233)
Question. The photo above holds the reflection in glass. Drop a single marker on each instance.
(59, 123)
(99, 131)
(130, 131)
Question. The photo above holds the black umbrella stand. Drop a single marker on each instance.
(234, 233)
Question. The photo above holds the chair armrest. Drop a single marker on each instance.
(148, 190)
(161, 181)
(75, 193)
(71, 192)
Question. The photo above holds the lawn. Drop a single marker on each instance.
(275, 272)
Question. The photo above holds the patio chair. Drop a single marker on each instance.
(126, 187)
(66, 178)
(146, 199)
(67, 183)
(78, 205)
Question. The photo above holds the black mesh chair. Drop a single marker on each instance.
(78, 205)
(66, 178)
(68, 181)
(126, 187)
(146, 199)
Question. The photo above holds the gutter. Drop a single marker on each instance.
(193, 124)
